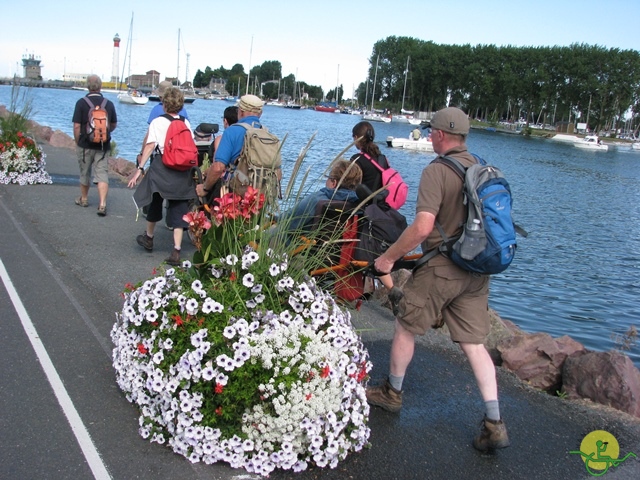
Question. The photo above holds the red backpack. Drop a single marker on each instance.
(391, 178)
(180, 151)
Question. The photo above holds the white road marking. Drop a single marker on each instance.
(82, 435)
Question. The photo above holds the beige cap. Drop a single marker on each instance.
(163, 87)
(451, 120)
(250, 103)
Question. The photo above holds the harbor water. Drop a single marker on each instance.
(578, 272)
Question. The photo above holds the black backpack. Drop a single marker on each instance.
(381, 227)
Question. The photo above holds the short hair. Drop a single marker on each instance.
(353, 176)
(231, 115)
(173, 100)
(94, 84)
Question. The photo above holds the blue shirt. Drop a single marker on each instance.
(232, 141)
(158, 110)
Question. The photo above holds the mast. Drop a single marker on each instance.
(375, 77)
(127, 53)
(178, 68)
(337, 86)
(249, 72)
(406, 72)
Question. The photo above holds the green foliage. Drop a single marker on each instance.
(19, 112)
(540, 84)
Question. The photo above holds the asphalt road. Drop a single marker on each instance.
(62, 416)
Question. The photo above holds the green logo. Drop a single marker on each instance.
(599, 451)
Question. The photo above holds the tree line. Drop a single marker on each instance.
(585, 83)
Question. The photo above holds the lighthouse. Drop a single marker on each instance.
(116, 60)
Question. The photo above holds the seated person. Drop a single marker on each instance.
(301, 216)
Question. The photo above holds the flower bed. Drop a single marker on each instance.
(21, 161)
(241, 358)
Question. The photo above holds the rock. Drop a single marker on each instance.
(501, 331)
(608, 378)
(538, 358)
(40, 133)
(61, 139)
(121, 168)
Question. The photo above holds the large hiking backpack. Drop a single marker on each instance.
(391, 178)
(381, 226)
(98, 123)
(180, 151)
(258, 164)
(488, 241)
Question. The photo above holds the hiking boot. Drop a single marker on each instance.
(394, 296)
(174, 258)
(145, 241)
(493, 435)
(385, 396)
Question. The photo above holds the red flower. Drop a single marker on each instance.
(325, 372)
(178, 320)
(219, 410)
(219, 388)
(142, 349)
(308, 396)
(232, 277)
(129, 287)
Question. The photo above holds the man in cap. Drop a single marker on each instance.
(230, 147)
(439, 291)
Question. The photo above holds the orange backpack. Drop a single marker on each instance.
(98, 124)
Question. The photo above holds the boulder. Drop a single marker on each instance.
(608, 378)
(61, 139)
(121, 168)
(537, 358)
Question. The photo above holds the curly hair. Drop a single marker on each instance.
(350, 178)
(173, 100)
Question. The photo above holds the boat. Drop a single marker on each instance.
(376, 117)
(329, 107)
(421, 145)
(591, 142)
(406, 116)
(406, 119)
(635, 146)
(131, 96)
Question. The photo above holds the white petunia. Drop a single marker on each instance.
(247, 280)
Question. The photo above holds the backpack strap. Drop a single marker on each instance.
(171, 118)
(447, 242)
(375, 163)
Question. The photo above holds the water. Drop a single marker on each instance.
(578, 272)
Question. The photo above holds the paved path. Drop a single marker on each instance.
(62, 269)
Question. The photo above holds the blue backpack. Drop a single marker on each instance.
(488, 241)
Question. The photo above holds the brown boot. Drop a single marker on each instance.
(385, 396)
(174, 258)
(493, 435)
(145, 241)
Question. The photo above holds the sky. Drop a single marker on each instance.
(323, 43)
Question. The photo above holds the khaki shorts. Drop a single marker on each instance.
(445, 293)
(92, 161)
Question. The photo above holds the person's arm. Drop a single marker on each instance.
(140, 162)
(76, 132)
(413, 236)
(215, 171)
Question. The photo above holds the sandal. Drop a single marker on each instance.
(82, 203)
(102, 210)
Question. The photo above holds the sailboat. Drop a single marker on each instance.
(131, 97)
(373, 116)
(406, 116)
(186, 99)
